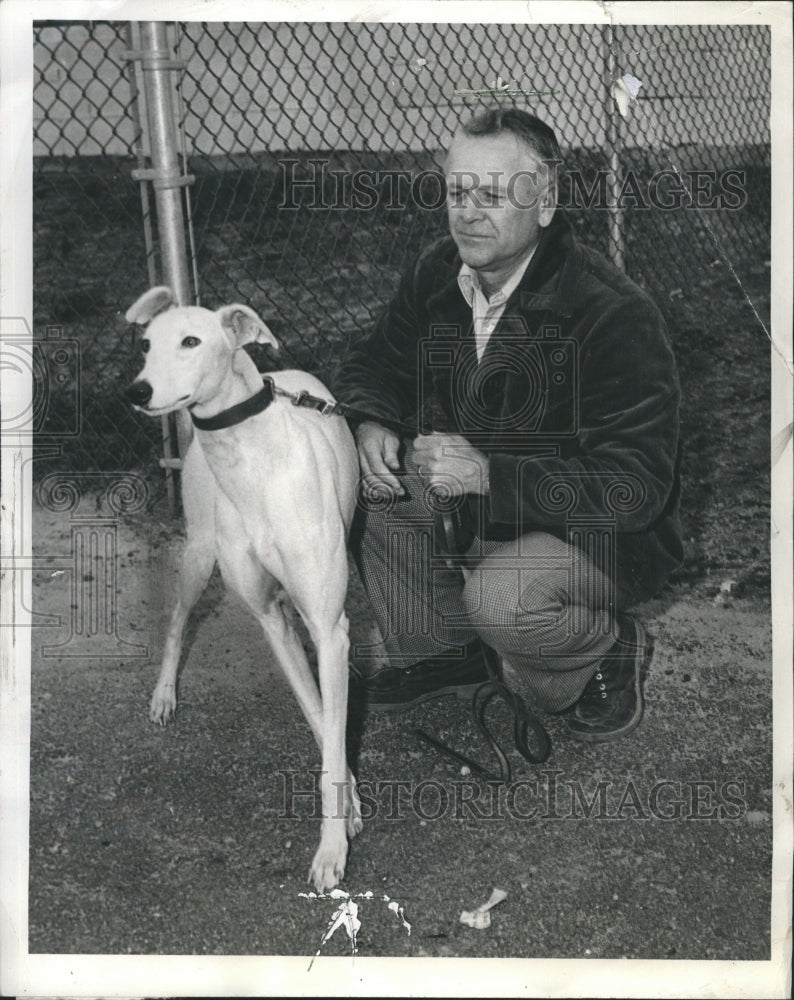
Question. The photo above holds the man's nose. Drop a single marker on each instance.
(470, 207)
(139, 393)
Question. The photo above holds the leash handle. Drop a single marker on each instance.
(523, 723)
(523, 719)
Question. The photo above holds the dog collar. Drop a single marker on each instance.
(237, 414)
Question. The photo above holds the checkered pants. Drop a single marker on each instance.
(538, 601)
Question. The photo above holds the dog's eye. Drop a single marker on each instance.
(145, 346)
(191, 342)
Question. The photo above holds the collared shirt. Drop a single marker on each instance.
(486, 312)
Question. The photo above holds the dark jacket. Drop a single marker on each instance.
(575, 400)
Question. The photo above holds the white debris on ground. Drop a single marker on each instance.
(480, 918)
(346, 914)
(395, 907)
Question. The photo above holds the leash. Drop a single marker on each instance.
(332, 408)
(524, 724)
(325, 407)
(455, 542)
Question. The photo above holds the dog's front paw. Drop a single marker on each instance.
(328, 867)
(163, 706)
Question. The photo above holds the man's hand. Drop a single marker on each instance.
(449, 461)
(377, 453)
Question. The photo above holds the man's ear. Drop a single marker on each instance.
(548, 201)
(149, 305)
(243, 326)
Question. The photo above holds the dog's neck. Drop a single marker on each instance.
(242, 382)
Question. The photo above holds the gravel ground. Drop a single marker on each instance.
(181, 840)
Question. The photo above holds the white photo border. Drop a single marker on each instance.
(24, 974)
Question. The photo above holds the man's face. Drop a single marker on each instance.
(497, 202)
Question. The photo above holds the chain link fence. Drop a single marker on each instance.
(316, 149)
(89, 247)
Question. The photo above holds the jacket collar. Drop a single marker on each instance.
(549, 282)
(552, 276)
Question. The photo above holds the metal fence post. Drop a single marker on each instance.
(616, 237)
(140, 146)
(166, 178)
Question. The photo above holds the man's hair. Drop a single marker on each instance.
(527, 128)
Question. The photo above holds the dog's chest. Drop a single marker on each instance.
(251, 474)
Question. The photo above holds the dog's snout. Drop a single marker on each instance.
(139, 393)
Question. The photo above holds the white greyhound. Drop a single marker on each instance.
(270, 496)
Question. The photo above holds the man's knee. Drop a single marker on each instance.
(503, 599)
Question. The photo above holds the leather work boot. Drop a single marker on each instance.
(393, 689)
(611, 704)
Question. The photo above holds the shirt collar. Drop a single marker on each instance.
(469, 283)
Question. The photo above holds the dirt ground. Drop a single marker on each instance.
(184, 840)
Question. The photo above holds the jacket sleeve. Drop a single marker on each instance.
(623, 464)
(379, 374)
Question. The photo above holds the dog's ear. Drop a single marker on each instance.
(149, 305)
(243, 326)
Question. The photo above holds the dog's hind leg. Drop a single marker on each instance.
(198, 560)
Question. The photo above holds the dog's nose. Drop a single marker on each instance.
(139, 393)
